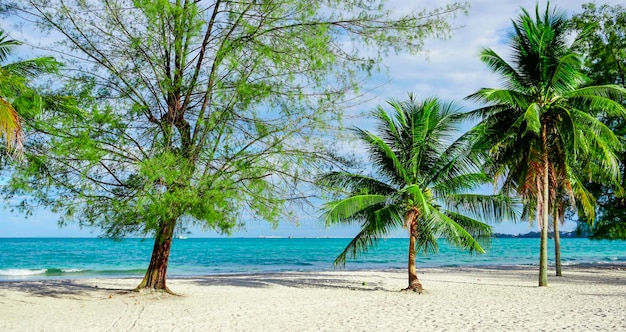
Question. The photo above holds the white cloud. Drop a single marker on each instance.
(452, 69)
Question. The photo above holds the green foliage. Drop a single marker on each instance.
(418, 168)
(17, 96)
(205, 112)
(545, 95)
(603, 42)
(540, 131)
(605, 63)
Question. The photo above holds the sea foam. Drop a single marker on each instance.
(22, 272)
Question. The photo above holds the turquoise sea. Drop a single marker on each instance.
(46, 258)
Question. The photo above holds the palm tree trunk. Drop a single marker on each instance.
(557, 243)
(155, 278)
(545, 213)
(414, 283)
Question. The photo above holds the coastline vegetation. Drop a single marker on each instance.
(200, 113)
(17, 97)
(196, 113)
(604, 46)
(540, 132)
(423, 182)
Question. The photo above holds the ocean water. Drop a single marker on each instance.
(54, 258)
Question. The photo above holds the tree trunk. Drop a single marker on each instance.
(155, 278)
(557, 243)
(545, 214)
(414, 283)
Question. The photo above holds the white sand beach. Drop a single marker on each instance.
(456, 299)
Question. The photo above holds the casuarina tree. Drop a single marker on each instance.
(200, 113)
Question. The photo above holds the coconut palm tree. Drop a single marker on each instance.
(423, 182)
(14, 88)
(543, 120)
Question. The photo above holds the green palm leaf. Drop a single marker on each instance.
(544, 120)
(385, 157)
(420, 170)
(350, 209)
(354, 183)
(14, 88)
(375, 226)
(474, 235)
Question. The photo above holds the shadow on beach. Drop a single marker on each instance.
(376, 280)
(501, 276)
(289, 279)
(58, 288)
(526, 276)
(81, 287)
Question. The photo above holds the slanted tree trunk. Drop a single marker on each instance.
(557, 243)
(414, 283)
(155, 278)
(545, 214)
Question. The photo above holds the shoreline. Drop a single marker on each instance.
(86, 274)
(464, 298)
(80, 258)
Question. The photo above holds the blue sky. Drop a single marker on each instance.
(450, 70)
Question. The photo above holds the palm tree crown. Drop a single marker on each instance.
(543, 121)
(14, 88)
(423, 183)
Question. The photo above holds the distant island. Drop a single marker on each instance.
(537, 235)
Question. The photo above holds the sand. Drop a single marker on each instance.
(456, 299)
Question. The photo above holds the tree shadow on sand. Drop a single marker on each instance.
(59, 288)
(596, 274)
(290, 279)
(77, 289)
(524, 277)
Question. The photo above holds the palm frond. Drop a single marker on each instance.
(444, 226)
(600, 141)
(532, 117)
(6, 45)
(567, 75)
(354, 183)
(460, 183)
(493, 208)
(473, 234)
(388, 127)
(14, 89)
(427, 241)
(375, 226)
(511, 98)
(500, 66)
(420, 199)
(585, 200)
(599, 100)
(33, 67)
(383, 156)
(10, 126)
(350, 209)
